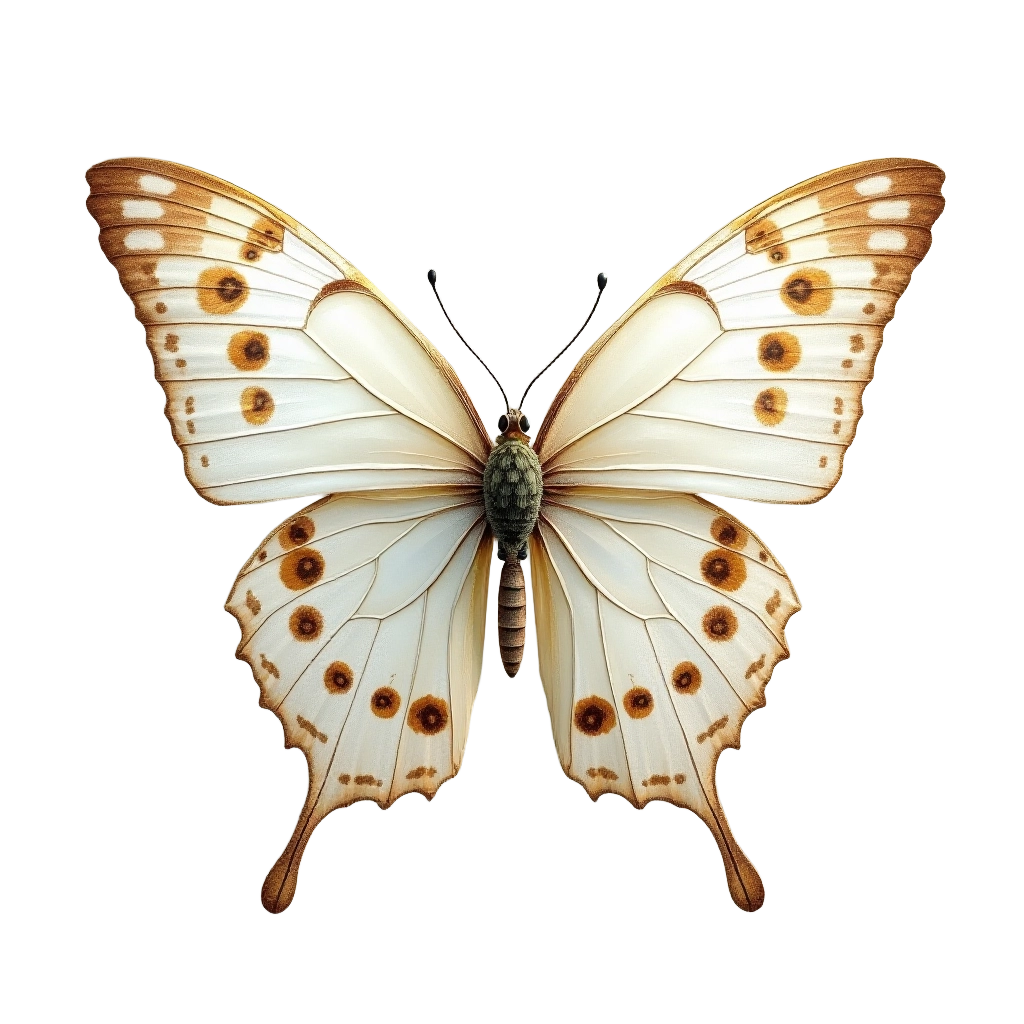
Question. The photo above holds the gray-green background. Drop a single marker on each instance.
(142, 794)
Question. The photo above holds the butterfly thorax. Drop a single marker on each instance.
(512, 492)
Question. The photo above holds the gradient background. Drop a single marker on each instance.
(519, 149)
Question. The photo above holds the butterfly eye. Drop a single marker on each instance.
(524, 423)
(503, 424)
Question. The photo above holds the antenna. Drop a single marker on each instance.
(432, 278)
(601, 282)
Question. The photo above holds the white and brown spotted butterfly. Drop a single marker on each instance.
(659, 617)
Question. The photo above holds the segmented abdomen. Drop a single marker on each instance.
(512, 615)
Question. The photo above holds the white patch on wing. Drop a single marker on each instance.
(891, 241)
(142, 239)
(894, 209)
(154, 183)
(141, 209)
(220, 206)
(874, 186)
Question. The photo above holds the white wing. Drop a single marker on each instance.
(741, 371)
(363, 621)
(286, 372)
(659, 621)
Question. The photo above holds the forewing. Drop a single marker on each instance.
(741, 371)
(659, 621)
(286, 372)
(363, 622)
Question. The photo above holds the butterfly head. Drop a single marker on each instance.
(513, 426)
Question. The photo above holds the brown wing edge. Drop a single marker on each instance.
(202, 179)
(279, 886)
(675, 274)
(745, 886)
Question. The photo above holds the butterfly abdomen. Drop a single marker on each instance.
(512, 493)
(512, 615)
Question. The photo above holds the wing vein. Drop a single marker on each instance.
(700, 782)
(656, 522)
(739, 430)
(611, 690)
(693, 637)
(676, 572)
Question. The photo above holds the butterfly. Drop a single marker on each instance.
(659, 616)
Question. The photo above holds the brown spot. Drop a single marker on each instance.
(301, 568)
(869, 308)
(604, 773)
(249, 350)
(306, 623)
(298, 532)
(171, 342)
(679, 778)
(251, 252)
(385, 702)
(762, 235)
(638, 702)
(763, 555)
(262, 556)
(720, 623)
(268, 233)
(686, 677)
(180, 364)
(847, 364)
(252, 602)
(728, 533)
(257, 405)
(723, 569)
(345, 779)
(190, 426)
(428, 715)
(338, 677)
(269, 666)
(713, 728)
(367, 780)
(754, 667)
(190, 405)
(838, 406)
(221, 290)
(770, 406)
(823, 462)
(657, 780)
(204, 462)
(418, 773)
(807, 291)
(778, 253)
(778, 351)
(771, 606)
(837, 426)
(856, 342)
(594, 716)
(313, 731)
(161, 307)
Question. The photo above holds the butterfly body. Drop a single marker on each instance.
(659, 617)
(513, 484)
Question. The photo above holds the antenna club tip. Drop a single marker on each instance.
(432, 277)
(602, 280)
